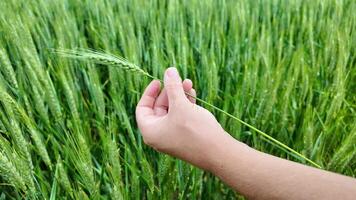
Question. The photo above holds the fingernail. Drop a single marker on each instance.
(172, 72)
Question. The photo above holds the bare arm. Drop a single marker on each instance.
(261, 176)
(172, 123)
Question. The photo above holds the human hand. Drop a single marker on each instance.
(172, 123)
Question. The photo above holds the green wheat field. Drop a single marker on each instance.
(67, 126)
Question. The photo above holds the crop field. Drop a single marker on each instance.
(67, 126)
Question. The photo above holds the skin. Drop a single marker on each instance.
(172, 123)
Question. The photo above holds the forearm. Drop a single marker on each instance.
(172, 123)
(261, 176)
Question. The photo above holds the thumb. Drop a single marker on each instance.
(173, 85)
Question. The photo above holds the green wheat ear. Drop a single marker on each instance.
(104, 59)
(109, 59)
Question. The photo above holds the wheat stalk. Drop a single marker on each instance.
(112, 60)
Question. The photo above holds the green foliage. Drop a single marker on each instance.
(67, 127)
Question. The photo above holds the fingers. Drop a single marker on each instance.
(161, 104)
(145, 105)
(188, 89)
(192, 96)
(173, 85)
(187, 85)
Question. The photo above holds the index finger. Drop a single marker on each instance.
(146, 103)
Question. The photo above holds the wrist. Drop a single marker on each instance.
(226, 149)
